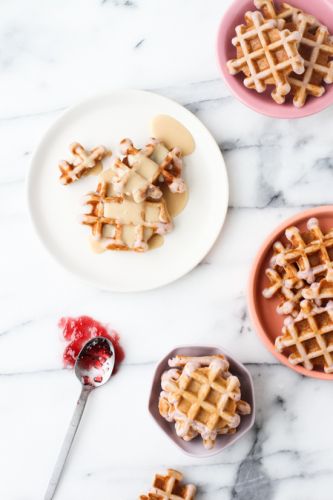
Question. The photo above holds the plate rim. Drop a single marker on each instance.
(251, 303)
(29, 190)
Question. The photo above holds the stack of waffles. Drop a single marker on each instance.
(284, 47)
(201, 397)
(301, 275)
(127, 208)
(170, 487)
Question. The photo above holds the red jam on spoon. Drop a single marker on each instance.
(77, 331)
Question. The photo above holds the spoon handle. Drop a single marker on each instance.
(66, 446)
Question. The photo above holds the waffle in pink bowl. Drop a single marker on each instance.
(263, 103)
(241, 394)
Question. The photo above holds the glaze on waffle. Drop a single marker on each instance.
(170, 487)
(202, 398)
(266, 55)
(163, 165)
(322, 290)
(310, 251)
(290, 298)
(308, 338)
(287, 15)
(137, 181)
(136, 173)
(303, 269)
(83, 161)
(123, 224)
(315, 46)
(317, 50)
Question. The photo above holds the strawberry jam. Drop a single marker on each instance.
(77, 331)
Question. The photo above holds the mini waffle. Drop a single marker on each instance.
(83, 161)
(137, 181)
(290, 298)
(122, 224)
(317, 50)
(308, 338)
(287, 15)
(322, 290)
(202, 398)
(310, 252)
(169, 487)
(315, 46)
(165, 165)
(266, 55)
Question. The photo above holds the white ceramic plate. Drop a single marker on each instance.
(105, 119)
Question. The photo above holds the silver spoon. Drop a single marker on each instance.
(93, 368)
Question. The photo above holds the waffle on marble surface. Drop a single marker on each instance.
(266, 55)
(170, 487)
(202, 398)
(308, 338)
(123, 224)
(315, 46)
(82, 161)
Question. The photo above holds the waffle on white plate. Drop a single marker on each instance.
(201, 397)
(303, 269)
(156, 162)
(119, 223)
(170, 487)
(128, 206)
(81, 163)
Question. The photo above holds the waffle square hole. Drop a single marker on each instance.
(213, 397)
(323, 320)
(184, 405)
(194, 387)
(108, 231)
(160, 483)
(315, 258)
(330, 252)
(311, 345)
(328, 339)
(202, 416)
(303, 327)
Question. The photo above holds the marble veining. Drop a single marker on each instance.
(53, 55)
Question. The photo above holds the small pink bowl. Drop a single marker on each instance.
(267, 322)
(263, 103)
(195, 447)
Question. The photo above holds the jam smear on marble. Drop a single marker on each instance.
(77, 331)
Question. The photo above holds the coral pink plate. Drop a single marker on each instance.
(263, 103)
(266, 320)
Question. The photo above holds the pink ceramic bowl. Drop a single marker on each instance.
(195, 447)
(267, 322)
(263, 103)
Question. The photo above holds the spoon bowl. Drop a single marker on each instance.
(95, 362)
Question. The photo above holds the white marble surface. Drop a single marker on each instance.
(52, 55)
